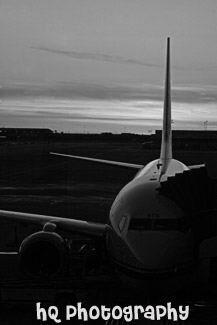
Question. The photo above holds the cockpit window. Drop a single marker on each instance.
(122, 223)
(158, 224)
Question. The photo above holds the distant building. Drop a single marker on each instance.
(185, 139)
(196, 134)
(24, 132)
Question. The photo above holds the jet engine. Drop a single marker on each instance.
(44, 254)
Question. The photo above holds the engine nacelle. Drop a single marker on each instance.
(44, 254)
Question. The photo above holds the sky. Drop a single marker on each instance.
(99, 65)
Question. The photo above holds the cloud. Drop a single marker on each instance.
(102, 57)
(100, 115)
(138, 93)
(96, 57)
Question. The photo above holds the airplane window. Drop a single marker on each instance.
(122, 223)
(159, 224)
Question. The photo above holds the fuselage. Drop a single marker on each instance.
(147, 232)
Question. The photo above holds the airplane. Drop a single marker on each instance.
(150, 237)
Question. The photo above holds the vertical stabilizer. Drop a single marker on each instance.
(166, 142)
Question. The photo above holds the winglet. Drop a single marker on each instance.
(166, 142)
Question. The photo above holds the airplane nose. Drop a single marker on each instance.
(157, 250)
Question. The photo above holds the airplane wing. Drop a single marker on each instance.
(90, 229)
(196, 166)
(70, 225)
(109, 162)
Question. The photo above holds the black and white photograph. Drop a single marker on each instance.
(108, 162)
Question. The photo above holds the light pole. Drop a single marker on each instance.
(205, 125)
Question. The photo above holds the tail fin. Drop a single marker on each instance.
(166, 142)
